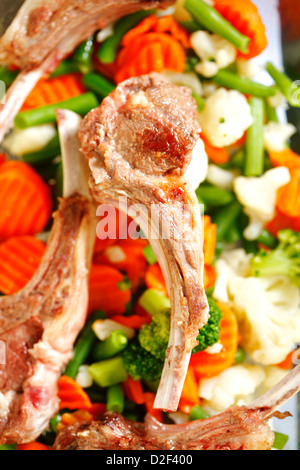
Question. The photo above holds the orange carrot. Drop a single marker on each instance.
(209, 276)
(53, 90)
(72, 395)
(145, 26)
(286, 158)
(79, 416)
(288, 196)
(208, 365)
(3, 158)
(133, 321)
(25, 200)
(108, 290)
(189, 394)
(20, 257)
(33, 446)
(154, 278)
(112, 226)
(210, 238)
(216, 155)
(151, 52)
(149, 402)
(133, 390)
(245, 17)
(289, 361)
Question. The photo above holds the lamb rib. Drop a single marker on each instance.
(46, 31)
(238, 428)
(40, 323)
(139, 143)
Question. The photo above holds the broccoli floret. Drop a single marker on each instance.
(210, 333)
(140, 364)
(154, 337)
(283, 260)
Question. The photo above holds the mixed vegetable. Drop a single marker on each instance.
(251, 196)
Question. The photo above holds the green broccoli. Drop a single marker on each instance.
(140, 364)
(210, 333)
(154, 337)
(283, 260)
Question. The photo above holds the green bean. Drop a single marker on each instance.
(198, 413)
(233, 235)
(200, 102)
(98, 84)
(149, 255)
(255, 153)
(227, 79)
(109, 48)
(113, 345)
(225, 217)
(81, 104)
(83, 346)
(267, 239)
(8, 447)
(191, 25)
(290, 89)
(154, 301)
(45, 155)
(83, 55)
(108, 372)
(115, 399)
(214, 196)
(271, 113)
(240, 356)
(65, 67)
(7, 76)
(212, 20)
(280, 440)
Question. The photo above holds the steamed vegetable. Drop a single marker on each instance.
(210, 333)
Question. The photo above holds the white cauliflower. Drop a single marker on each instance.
(258, 197)
(221, 178)
(225, 117)
(215, 53)
(248, 68)
(22, 141)
(188, 79)
(276, 135)
(236, 385)
(197, 170)
(267, 308)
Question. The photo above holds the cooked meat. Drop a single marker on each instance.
(46, 31)
(39, 324)
(238, 428)
(139, 143)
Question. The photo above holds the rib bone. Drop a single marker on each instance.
(139, 143)
(39, 324)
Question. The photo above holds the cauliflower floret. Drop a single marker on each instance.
(276, 135)
(258, 197)
(226, 117)
(197, 170)
(189, 79)
(248, 68)
(234, 386)
(273, 376)
(181, 14)
(267, 308)
(221, 178)
(22, 141)
(215, 52)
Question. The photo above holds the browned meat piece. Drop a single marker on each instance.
(45, 31)
(139, 143)
(39, 324)
(238, 428)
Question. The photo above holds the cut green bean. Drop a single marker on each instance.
(200, 102)
(212, 20)
(225, 217)
(240, 356)
(213, 196)
(108, 51)
(83, 346)
(7, 76)
(8, 447)
(267, 239)
(154, 301)
(231, 80)
(280, 440)
(115, 399)
(83, 55)
(65, 67)
(81, 104)
(113, 345)
(98, 84)
(149, 255)
(271, 113)
(290, 89)
(198, 413)
(45, 155)
(108, 372)
(255, 151)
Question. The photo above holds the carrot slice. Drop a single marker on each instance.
(288, 196)
(72, 395)
(245, 17)
(209, 276)
(208, 365)
(20, 257)
(25, 200)
(53, 90)
(133, 390)
(107, 290)
(133, 321)
(210, 239)
(216, 155)
(289, 361)
(286, 158)
(149, 403)
(154, 278)
(33, 446)
(281, 221)
(189, 394)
